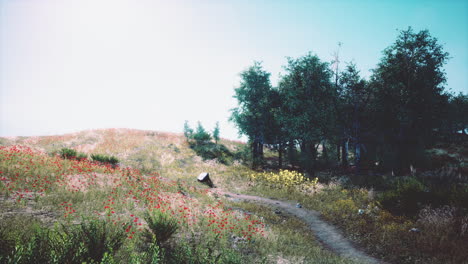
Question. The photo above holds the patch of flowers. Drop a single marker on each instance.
(283, 178)
(117, 194)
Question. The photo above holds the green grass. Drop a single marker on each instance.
(287, 238)
(442, 237)
(70, 191)
(100, 214)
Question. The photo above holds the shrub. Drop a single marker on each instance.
(105, 159)
(161, 227)
(201, 135)
(210, 150)
(405, 196)
(67, 153)
(99, 237)
(200, 142)
(91, 242)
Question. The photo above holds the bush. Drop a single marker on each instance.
(67, 153)
(105, 159)
(161, 227)
(91, 242)
(98, 237)
(405, 196)
(210, 150)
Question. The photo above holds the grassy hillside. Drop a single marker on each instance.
(50, 205)
(56, 210)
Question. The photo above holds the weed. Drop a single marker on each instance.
(161, 227)
(67, 153)
(104, 159)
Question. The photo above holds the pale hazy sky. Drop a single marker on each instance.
(70, 65)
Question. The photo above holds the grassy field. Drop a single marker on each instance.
(150, 209)
(129, 214)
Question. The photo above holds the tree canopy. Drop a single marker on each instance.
(391, 117)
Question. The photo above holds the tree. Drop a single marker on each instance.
(409, 83)
(459, 112)
(276, 135)
(354, 95)
(201, 143)
(253, 109)
(308, 113)
(188, 132)
(216, 133)
(201, 136)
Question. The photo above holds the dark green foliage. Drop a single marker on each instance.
(392, 118)
(201, 136)
(216, 133)
(408, 195)
(210, 150)
(105, 159)
(308, 111)
(458, 113)
(201, 143)
(353, 113)
(409, 93)
(404, 197)
(16, 230)
(152, 253)
(254, 108)
(161, 227)
(98, 237)
(188, 132)
(67, 153)
(92, 241)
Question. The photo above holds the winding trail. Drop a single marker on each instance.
(327, 234)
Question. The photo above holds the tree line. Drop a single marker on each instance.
(318, 114)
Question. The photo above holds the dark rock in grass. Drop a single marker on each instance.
(204, 177)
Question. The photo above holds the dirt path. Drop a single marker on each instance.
(327, 234)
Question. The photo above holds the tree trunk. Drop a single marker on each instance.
(292, 153)
(344, 153)
(338, 154)
(357, 163)
(254, 154)
(257, 152)
(357, 146)
(308, 157)
(324, 151)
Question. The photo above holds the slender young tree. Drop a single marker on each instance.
(216, 133)
(201, 136)
(188, 132)
(355, 95)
